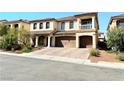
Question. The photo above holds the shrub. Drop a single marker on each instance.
(94, 52)
(121, 56)
(26, 50)
(3, 29)
(115, 39)
(16, 39)
(24, 38)
(9, 40)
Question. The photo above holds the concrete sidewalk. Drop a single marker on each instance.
(70, 60)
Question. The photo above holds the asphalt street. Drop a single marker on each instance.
(13, 68)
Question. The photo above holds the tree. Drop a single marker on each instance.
(3, 29)
(116, 39)
(24, 38)
(9, 39)
(16, 39)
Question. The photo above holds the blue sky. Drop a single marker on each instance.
(103, 17)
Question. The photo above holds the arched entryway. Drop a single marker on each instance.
(85, 42)
(65, 41)
(41, 41)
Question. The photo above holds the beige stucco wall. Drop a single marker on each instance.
(53, 26)
(25, 26)
(112, 25)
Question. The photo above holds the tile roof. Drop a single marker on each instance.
(69, 18)
(16, 21)
(45, 19)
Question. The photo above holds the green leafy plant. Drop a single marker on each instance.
(9, 40)
(16, 39)
(26, 50)
(3, 29)
(115, 39)
(94, 52)
(24, 38)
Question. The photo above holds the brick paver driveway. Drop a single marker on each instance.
(64, 52)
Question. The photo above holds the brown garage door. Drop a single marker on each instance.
(85, 42)
(65, 41)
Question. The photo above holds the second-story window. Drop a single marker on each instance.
(71, 25)
(47, 25)
(120, 23)
(35, 26)
(86, 24)
(41, 25)
(16, 26)
(62, 25)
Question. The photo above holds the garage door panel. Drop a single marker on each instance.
(85, 42)
(65, 41)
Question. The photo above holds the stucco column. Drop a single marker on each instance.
(49, 37)
(94, 41)
(93, 22)
(36, 41)
(78, 23)
(53, 41)
(19, 26)
(77, 41)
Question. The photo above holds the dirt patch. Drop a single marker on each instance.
(105, 56)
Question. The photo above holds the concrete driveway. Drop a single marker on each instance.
(82, 53)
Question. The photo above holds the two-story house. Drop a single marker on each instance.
(116, 21)
(78, 31)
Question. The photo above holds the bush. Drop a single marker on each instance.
(115, 39)
(94, 52)
(121, 56)
(8, 42)
(3, 29)
(16, 39)
(26, 50)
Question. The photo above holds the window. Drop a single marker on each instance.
(47, 25)
(35, 26)
(86, 24)
(9, 25)
(41, 25)
(62, 25)
(120, 23)
(16, 26)
(71, 26)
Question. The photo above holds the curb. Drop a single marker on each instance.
(106, 65)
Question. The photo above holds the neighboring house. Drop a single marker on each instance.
(116, 21)
(101, 37)
(19, 24)
(78, 31)
(3, 21)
